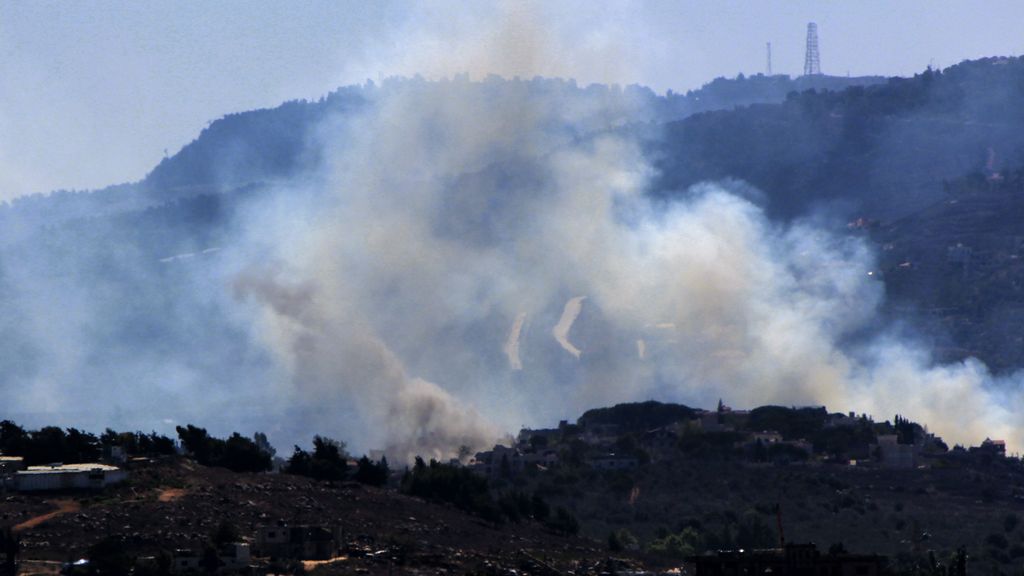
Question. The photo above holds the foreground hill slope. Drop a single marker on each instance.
(179, 504)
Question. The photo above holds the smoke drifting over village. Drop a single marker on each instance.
(469, 261)
(473, 267)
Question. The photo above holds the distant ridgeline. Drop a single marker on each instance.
(278, 144)
(877, 151)
(880, 147)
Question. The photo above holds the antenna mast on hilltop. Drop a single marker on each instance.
(769, 58)
(812, 63)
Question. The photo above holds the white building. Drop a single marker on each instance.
(11, 464)
(67, 477)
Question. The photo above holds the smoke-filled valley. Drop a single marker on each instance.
(422, 265)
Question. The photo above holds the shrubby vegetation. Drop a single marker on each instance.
(452, 484)
(472, 493)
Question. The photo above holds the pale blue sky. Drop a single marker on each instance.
(92, 93)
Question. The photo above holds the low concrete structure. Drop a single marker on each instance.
(11, 464)
(67, 477)
(298, 542)
(893, 454)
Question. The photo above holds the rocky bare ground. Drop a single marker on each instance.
(178, 504)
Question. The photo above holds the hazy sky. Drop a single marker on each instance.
(93, 93)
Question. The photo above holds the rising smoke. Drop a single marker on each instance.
(477, 257)
(476, 266)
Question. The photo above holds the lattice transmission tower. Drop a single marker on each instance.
(812, 60)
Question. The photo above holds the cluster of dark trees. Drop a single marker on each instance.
(329, 461)
(472, 493)
(637, 416)
(236, 453)
(52, 444)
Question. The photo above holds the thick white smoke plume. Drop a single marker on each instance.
(477, 264)
(478, 256)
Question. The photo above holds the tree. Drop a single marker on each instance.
(263, 444)
(243, 455)
(539, 508)
(622, 539)
(327, 462)
(679, 546)
(564, 522)
(300, 463)
(109, 556)
(10, 545)
(453, 484)
(225, 533)
(13, 438)
(374, 474)
(80, 446)
(196, 442)
(1010, 522)
(237, 453)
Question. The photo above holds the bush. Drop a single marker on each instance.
(997, 541)
(539, 508)
(327, 462)
(564, 522)
(622, 539)
(109, 556)
(374, 474)
(686, 543)
(1010, 522)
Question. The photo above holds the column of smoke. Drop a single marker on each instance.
(424, 293)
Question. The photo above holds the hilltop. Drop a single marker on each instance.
(695, 480)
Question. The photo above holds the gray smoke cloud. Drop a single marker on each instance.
(474, 266)
(474, 258)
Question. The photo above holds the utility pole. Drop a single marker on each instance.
(769, 45)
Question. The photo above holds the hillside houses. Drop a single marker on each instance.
(504, 461)
(632, 435)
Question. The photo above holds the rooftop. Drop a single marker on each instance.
(68, 468)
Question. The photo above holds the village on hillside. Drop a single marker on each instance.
(630, 435)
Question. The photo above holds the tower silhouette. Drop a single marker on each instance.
(769, 47)
(812, 62)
